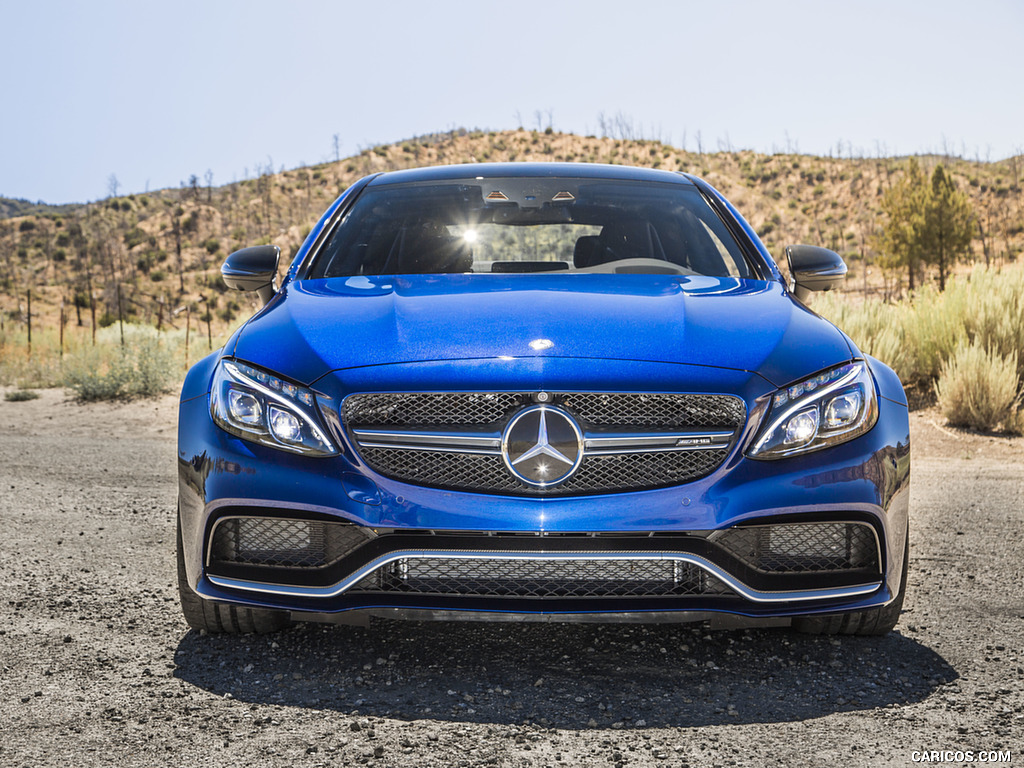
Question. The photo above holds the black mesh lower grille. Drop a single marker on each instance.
(596, 474)
(483, 577)
(283, 543)
(769, 557)
(803, 547)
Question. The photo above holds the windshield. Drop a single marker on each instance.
(505, 225)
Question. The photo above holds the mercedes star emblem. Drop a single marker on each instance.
(542, 445)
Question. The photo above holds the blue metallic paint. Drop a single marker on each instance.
(610, 333)
(746, 325)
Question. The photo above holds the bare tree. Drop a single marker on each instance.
(209, 185)
(337, 148)
(176, 213)
(113, 185)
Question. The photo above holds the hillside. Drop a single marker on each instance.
(11, 208)
(164, 248)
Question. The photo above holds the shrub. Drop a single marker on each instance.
(977, 388)
(143, 367)
(135, 236)
(20, 395)
(921, 335)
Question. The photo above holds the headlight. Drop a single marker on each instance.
(258, 406)
(824, 410)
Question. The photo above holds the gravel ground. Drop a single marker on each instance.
(97, 667)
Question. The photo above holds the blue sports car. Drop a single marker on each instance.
(550, 392)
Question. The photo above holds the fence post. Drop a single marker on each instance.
(120, 313)
(209, 333)
(188, 332)
(61, 327)
(92, 306)
(29, 315)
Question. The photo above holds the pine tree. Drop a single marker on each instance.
(948, 224)
(927, 223)
(904, 203)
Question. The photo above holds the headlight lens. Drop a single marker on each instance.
(260, 407)
(826, 409)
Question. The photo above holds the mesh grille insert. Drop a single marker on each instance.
(633, 410)
(803, 547)
(429, 409)
(523, 578)
(283, 543)
(657, 411)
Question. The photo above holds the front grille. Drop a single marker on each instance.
(599, 415)
(280, 543)
(802, 547)
(596, 474)
(524, 578)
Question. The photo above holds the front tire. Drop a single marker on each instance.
(216, 618)
(873, 621)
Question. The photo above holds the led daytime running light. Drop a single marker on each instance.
(835, 422)
(286, 420)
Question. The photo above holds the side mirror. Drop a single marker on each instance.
(813, 269)
(253, 269)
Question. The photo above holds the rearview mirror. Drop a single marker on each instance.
(253, 269)
(813, 269)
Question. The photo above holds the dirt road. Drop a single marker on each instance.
(97, 667)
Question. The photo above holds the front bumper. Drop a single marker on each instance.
(671, 529)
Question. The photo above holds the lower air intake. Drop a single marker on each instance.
(803, 547)
(529, 578)
(270, 542)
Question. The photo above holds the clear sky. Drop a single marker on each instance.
(154, 92)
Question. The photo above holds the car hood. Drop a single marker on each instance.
(312, 327)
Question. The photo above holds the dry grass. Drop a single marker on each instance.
(939, 342)
(978, 388)
(147, 364)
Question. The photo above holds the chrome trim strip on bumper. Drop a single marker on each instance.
(731, 581)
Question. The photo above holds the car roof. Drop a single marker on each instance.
(527, 170)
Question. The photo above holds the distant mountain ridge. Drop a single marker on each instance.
(11, 207)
